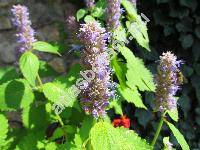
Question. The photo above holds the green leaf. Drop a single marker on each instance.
(89, 19)
(136, 26)
(30, 140)
(56, 93)
(45, 70)
(105, 137)
(7, 74)
(173, 114)
(46, 47)
(132, 96)
(3, 132)
(86, 126)
(35, 117)
(29, 65)
(80, 14)
(120, 70)
(178, 136)
(15, 94)
(58, 133)
(137, 74)
(116, 104)
(135, 31)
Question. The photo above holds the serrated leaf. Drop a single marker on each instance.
(46, 47)
(137, 74)
(173, 114)
(29, 65)
(105, 137)
(15, 94)
(3, 131)
(132, 96)
(134, 30)
(80, 14)
(136, 26)
(178, 136)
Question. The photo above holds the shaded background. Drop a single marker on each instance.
(174, 26)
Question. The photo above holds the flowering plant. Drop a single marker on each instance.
(72, 111)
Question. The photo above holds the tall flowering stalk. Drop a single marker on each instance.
(25, 33)
(95, 96)
(72, 27)
(167, 82)
(90, 3)
(113, 13)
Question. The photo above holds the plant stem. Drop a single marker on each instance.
(57, 116)
(158, 130)
(39, 80)
(62, 125)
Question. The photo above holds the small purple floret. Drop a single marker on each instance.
(25, 33)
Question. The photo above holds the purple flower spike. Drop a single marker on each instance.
(113, 12)
(167, 82)
(25, 33)
(95, 57)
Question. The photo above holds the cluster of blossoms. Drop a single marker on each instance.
(113, 12)
(95, 97)
(123, 121)
(90, 3)
(25, 33)
(167, 82)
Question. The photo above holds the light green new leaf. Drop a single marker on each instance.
(89, 19)
(45, 47)
(137, 74)
(173, 114)
(29, 65)
(132, 96)
(105, 137)
(178, 136)
(15, 94)
(80, 14)
(56, 93)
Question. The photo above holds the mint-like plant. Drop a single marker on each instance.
(72, 111)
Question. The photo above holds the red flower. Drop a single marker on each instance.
(123, 121)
